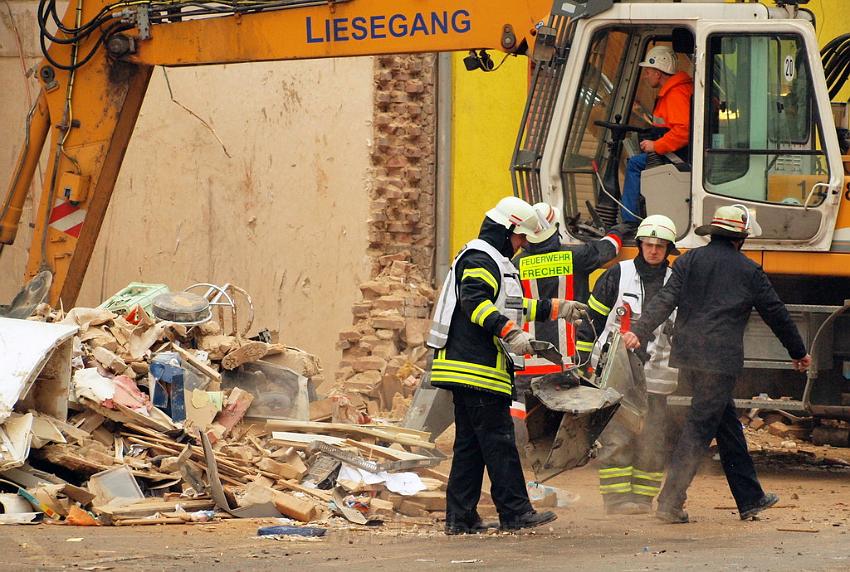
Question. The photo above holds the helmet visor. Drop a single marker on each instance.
(654, 241)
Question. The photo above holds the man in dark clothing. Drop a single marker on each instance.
(631, 461)
(715, 288)
(477, 323)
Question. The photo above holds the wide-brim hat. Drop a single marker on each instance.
(731, 221)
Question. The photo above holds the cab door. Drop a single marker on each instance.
(763, 132)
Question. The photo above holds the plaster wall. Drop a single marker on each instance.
(272, 195)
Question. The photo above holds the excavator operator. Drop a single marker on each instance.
(671, 115)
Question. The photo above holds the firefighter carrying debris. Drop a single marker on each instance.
(477, 321)
(632, 463)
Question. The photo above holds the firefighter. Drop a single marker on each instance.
(671, 118)
(477, 322)
(714, 289)
(549, 269)
(632, 464)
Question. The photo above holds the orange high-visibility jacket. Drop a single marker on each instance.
(673, 111)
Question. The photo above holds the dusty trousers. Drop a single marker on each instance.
(711, 415)
(484, 437)
(631, 465)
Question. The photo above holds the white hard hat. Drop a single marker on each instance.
(657, 226)
(662, 58)
(549, 220)
(733, 221)
(516, 214)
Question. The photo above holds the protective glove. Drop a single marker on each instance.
(519, 342)
(569, 310)
(624, 229)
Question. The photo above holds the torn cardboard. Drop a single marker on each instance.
(263, 510)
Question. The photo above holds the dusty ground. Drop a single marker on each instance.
(812, 500)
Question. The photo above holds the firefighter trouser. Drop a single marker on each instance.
(632, 465)
(484, 437)
(711, 416)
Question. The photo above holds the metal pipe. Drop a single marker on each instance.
(38, 125)
(442, 256)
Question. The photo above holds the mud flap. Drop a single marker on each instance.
(431, 410)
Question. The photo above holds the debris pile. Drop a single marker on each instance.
(780, 437)
(128, 420)
(384, 353)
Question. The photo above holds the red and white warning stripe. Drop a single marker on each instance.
(518, 410)
(67, 218)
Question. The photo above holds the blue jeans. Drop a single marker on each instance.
(631, 187)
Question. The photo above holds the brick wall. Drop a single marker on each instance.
(383, 353)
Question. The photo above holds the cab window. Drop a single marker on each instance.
(763, 138)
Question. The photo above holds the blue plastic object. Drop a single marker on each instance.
(168, 385)
(291, 531)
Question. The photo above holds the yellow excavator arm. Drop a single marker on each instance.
(99, 59)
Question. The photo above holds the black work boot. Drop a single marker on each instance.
(767, 501)
(671, 515)
(478, 527)
(528, 520)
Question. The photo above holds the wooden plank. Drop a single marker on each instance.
(361, 430)
(204, 368)
(318, 493)
(149, 521)
(384, 452)
(149, 507)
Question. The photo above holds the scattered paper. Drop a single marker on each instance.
(18, 517)
(90, 384)
(405, 484)
(73, 540)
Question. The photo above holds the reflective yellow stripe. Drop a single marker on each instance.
(638, 474)
(482, 274)
(644, 490)
(612, 472)
(598, 306)
(615, 488)
(473, 368)
(500, 355)
(481, 312)
(584, 346)
(470, 380)
(530, 307)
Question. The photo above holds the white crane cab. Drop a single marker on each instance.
(761, 134)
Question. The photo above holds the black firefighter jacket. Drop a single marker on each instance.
(473, 357)
(715, 288)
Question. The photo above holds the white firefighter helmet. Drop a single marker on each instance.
(662, 58)
(733, 221)
(514, 213)
(549, 221)
(658, 227)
